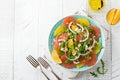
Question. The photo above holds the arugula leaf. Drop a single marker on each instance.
(102, 65)
(103, 71)
(91, 31)
(93, 74)
(72, 57)
(82, 36)
(68, 61)
(82, 47)
(100, 70)
(62, 45)
(75, 44)
(69, 51)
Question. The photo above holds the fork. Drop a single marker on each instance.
(46, 65)
(35, 64)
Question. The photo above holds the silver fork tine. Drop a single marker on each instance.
(34, 60)
(43, 62)
(31, 61)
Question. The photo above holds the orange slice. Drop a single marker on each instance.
(97, 48)
(59, 30)
(74, 27)
(83, 21)
(113, 16)
(110, 15)
(56, 57)
(116, 17)
(79, 65)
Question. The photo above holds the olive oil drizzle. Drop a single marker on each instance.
(102, 3)
(96, 5)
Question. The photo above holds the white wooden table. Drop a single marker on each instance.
(24, 27)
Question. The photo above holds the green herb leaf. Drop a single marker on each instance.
(69, 51)
(81, 49)
(82, 36)
(93, 74)
(102, 65)
(85, 43)
(62, 45)
(102, 71)
(98, 70)
(74, 35)
(72, 57)
(75, 44)
(68, 61)
(91, 31)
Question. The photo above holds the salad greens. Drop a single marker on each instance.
(76, 42)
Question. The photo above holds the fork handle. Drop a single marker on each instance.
(56, 75)
(45, 75)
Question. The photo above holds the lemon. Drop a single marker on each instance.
(83, 21)
(56, 57)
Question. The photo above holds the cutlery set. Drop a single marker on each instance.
(36, 64)
(39, 63)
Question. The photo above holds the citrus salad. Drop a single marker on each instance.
(76, 43)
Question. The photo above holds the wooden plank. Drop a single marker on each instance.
(115, 45)
(6, 39)
(34, 19)
(71, 6)
(25, 43)
(49, 13)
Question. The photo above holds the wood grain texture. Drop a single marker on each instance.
(25, 43)
(24, 29)
(115, 45)
(6, 39)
